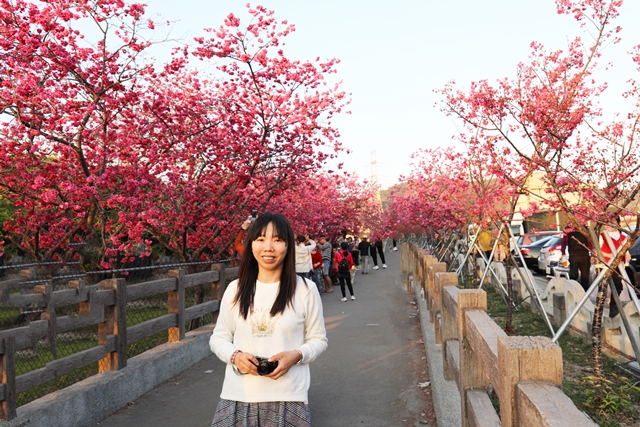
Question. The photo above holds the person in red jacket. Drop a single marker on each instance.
(618, 240)
(344, 274)
(238, 243)
(316, 260)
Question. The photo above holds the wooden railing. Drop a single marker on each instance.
(105, 305)
(524, 372)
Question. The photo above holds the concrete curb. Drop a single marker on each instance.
(85, 403)
(446, 397)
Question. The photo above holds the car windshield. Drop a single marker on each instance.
(539, 243)
(552, 241)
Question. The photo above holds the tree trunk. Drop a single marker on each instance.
(507, 266)
(596, 330)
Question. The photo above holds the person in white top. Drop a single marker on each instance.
(304, 247)
(272, 313)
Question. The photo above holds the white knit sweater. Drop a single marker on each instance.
(303, 257)
(260, 334)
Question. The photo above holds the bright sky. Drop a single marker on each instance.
(395, 53)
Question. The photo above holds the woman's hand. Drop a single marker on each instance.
(246, 363)
(286, 359)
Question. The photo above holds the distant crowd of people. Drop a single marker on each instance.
(336, 263)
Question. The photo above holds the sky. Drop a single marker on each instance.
(395, 53)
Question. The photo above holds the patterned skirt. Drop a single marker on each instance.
(264, 414)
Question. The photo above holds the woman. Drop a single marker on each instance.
(344, 274)
(268, 312)
(303, 256)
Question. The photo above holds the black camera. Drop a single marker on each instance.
(265, 367)
(254, 214)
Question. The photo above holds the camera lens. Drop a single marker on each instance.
(265, 367)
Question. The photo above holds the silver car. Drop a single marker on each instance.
(550, 254)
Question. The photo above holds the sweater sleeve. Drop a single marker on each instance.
(238, 242)
(564, 243)
(221, 341)
(315, 334)
(311, 246)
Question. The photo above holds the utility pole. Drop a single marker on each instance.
(374, 168)
(374, 173)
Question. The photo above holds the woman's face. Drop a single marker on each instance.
(269, 250)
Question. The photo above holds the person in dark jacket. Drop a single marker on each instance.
(579, 254)
(364, 247)
(379, 248)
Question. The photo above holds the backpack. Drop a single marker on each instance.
(343, 264)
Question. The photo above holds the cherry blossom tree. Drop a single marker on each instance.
(270, 123)
(61, 101)
(330, 204)
(104, 153)
(434, 198)
(548, 119)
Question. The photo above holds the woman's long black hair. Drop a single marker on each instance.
(248, 271)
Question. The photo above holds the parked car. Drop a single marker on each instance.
(528, 238)
(531, 252)
(550, 255)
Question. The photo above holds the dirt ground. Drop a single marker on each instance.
(422, 370)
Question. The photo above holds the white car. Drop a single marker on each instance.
(550, 255)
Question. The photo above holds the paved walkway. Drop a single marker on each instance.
(368, 377)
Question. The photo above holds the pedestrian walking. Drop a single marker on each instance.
(270, 327)
(325, 248)
(344, 263)
(379, 248)
(364, 247)
(355, 252)
(316, 260)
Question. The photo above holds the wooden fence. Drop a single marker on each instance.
(103, 304)
(525, 372)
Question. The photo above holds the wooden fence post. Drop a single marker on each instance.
(85, 306)
(442, 279)
(471, 373)
(525, 359)
(115, 324)
(435, 267)
(218, 288)
(425, 262)
(176, 302)
(418, 270)
(49, 315)
(8, 378)
(449, 330)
